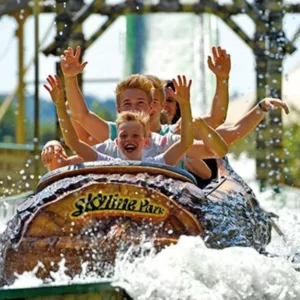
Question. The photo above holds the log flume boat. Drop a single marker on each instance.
(88, 212)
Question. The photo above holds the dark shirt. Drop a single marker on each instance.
(212, 164)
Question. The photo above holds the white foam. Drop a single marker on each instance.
(189, 270)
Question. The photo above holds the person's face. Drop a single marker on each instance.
(133, 100)
(156, 107)
(169, 105)
(131, 140)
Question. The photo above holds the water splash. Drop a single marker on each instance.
(189, 269)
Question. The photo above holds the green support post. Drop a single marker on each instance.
(261, 83)
(277, 46)
(130, 44)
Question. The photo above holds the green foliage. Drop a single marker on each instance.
(47, 133)
(7, 128)
(291, 145)
(102, 113)
(247, 144)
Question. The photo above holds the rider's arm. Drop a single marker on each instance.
(71, 139)
(199, 167)
(174, 154)
(82, 134)
(93, 124)
(58, 162)
(220, 66)
(71, 67)
(232, 133)
(218, 113)
(211, 145)
(54, 156)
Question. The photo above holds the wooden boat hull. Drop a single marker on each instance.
(89, 212)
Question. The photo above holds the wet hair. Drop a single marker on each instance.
(129, 116)
(158, 86)
(169, 84)
(135, 81)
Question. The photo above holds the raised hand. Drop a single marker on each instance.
(70, 64)
(182, 90)
(55, 90)
(273, 103)
(221, 62)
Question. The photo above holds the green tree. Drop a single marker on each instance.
(8, 126)
(291, 146)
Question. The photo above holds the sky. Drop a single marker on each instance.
(106, 55)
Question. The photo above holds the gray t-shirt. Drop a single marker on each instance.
(158, 144)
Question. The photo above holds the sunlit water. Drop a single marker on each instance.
(189, 270)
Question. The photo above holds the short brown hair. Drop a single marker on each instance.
(128, 116)
(135, 81)
(158, 86)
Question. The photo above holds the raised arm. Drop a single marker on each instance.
(68, 132)
(93, 124)
(211, 144)
(232, 133)
(57, 94)
(220, 65)
(82, 134)
(175, 153)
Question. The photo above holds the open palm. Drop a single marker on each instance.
(182, 90)
(220, 64)
(70, 64)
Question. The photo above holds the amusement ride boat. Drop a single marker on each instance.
(90, 212)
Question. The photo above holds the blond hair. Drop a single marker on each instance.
(129, 116)
(135, 81)
(158, 86)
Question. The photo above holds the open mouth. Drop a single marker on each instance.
(130, 148)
